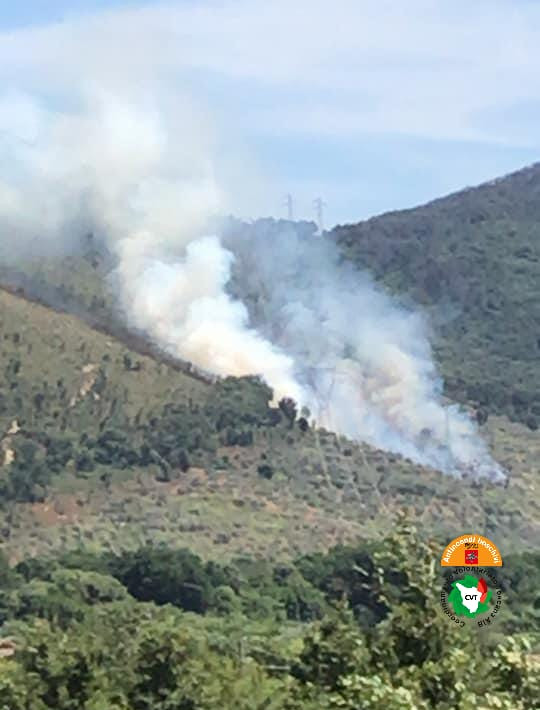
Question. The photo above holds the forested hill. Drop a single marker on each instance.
(472, 259)
(87, 405)
(104, 445)
(171, 541)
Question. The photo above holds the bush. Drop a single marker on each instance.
(84, 461)
(27, 476)
(237, 401)
(532, 422)
(164, 576)
(288, 407)
(265, 471)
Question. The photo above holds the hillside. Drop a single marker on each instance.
(114, 449)
(472, 260)
(109, 443)
(167, 537)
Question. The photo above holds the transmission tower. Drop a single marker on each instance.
(289, 205)
(319, 205)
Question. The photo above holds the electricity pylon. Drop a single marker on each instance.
(289, 205)
(319, 204)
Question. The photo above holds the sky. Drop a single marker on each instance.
(369, 104)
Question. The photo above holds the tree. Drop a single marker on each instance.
(531, 422)
(237, 401)
(482, 416)
(265, 470)
(332, 648)
(517, 671)
(165, 576)
(287, 406)
(303, 424)
(28, 475)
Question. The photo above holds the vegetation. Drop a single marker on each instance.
(173, 542)
(473, 260)
(103, 444)
(159, 629)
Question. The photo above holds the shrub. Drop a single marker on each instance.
(265, 471)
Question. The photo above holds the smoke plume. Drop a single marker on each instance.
(269, 298)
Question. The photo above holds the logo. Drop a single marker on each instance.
(471, 593)
(471, 550)
(471, 557)
(470, 596)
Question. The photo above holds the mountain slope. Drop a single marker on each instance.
(259, 484)
(106, 442)
(472, 260)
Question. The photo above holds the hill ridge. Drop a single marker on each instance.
(475, 253)
(532, 168)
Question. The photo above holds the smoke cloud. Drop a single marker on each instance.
(270, 298)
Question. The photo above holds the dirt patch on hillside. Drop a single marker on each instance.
(58, 510)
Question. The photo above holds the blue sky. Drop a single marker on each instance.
(371, 104)
(35, 12)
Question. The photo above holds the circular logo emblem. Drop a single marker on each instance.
(471, 594)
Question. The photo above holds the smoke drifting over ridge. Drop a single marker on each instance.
(265, 299)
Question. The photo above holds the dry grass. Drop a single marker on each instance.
(324, 490)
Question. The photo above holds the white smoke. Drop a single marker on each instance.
(267, 299)
(364, 363)
(185, 307)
